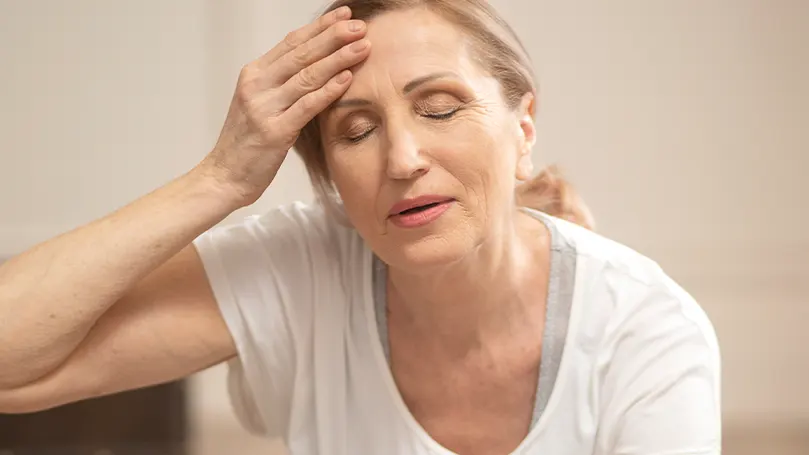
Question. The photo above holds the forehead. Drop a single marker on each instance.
(410, 43)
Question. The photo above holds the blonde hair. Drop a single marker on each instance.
(499, 51)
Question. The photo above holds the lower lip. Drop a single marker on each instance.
(422, 218)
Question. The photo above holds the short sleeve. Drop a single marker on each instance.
(242, 400)
(264, 273)
(660, 378)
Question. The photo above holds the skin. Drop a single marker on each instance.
(123, 302)
(465, 292)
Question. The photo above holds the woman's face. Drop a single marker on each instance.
(423, 127)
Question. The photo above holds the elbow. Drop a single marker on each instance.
(15, 401)
(35, 396)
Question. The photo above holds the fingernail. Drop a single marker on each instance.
(343, 77)
(359, 46)
(355, 26)
(343, 12)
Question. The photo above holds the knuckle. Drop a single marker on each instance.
(292, 39)
(247, 73)
(243, 95)
(251, 86)
(307, 79)
(303, 54)
(249, 79)
(326, 19)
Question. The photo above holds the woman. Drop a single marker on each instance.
(423, 311)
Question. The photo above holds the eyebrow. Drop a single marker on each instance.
(409, 87)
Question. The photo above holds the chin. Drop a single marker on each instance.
(421, 253)
(424, 255)
(420, 250)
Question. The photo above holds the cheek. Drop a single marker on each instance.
(483, 161)
(355, 174)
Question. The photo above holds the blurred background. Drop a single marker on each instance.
(684, 124)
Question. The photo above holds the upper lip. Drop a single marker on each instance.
(407, 204)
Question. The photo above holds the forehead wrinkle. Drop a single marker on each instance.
(412, 43)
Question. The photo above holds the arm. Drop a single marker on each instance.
(93, 311)
(661, 386)
(123, 302)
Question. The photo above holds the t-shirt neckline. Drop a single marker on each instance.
(559, 305)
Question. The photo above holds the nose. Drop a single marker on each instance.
(405, 156)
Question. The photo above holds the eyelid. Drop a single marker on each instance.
(439, 98)
(445, 110)
(355, 130)
(357, 124)
(452, 99)
(352, 121)
(360, 137)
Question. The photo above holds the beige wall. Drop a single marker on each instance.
(683, 123)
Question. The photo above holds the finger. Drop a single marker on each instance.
(297, 37)
(313, 103)
(318, 74)
(319, 47)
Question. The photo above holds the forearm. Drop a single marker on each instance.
(51, 295)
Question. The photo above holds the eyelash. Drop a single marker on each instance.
(441, 116)
(444, 115)
(359, 138)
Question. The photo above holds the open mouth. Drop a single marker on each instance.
(419, 209)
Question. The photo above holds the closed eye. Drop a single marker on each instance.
(360, 137)
(443, 115)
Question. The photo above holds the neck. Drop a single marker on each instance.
(482, 300)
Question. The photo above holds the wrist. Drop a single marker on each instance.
(214, 189)
(235, 182)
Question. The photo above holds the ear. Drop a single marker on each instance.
(528, 136)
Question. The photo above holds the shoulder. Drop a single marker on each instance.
(607, 254)
(650, 350)
(278, 265)
(292, 220)
(286, 232)
(622, 292)
(272, 275)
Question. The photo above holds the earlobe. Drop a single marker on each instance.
(525, 168)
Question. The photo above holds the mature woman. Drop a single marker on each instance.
(418, 308)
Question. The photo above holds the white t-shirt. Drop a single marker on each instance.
(639, 374)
